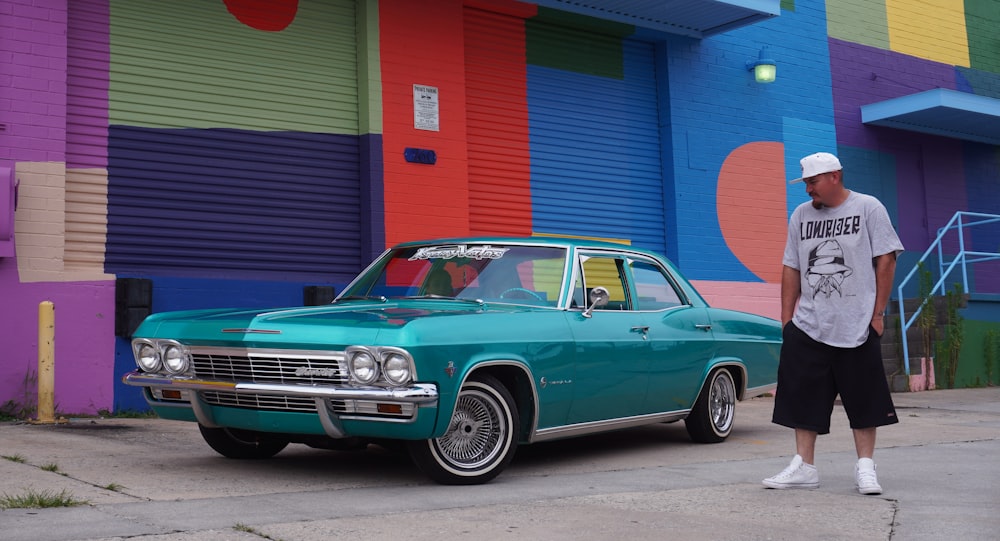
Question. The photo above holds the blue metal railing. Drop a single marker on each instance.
(960, 222)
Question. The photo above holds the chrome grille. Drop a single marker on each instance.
(268, 366)
(259, 401)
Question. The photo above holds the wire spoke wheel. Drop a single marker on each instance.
(474, 432)
(722, 402)
(711, 418)
(480, 440)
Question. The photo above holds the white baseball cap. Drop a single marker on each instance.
(817, 164)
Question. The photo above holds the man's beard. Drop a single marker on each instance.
(817, 205)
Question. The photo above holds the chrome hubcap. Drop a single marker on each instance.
(475, 431)
(721, 402)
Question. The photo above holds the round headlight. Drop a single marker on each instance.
(396, 368)
(147, 357)
(364, 367)
(175, 359)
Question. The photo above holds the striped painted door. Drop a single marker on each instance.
(233, 141)
(497, 116)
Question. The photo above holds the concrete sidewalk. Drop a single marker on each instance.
(156, 480)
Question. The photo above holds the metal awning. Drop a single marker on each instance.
(694, 18)
(948, 113)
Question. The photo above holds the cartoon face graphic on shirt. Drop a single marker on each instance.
(826, 271)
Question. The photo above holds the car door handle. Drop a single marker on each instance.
(704, 326)
(643, 329)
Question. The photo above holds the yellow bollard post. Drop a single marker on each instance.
(46, 362)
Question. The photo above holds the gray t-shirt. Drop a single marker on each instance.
(833, 250)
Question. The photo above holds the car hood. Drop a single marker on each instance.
(352, 322)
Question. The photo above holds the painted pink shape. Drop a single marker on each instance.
(752, 209)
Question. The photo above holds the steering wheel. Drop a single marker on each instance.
(528, 292)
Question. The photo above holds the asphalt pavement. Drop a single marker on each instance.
(156, 480)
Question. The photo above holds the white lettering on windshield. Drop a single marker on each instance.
(451, 252)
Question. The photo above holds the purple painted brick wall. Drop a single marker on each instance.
(33, 128)
(84, 341)
(33, 41)
(861, 75)
(88, 78)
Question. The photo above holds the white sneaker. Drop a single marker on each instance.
(797, 475)
(866, 480)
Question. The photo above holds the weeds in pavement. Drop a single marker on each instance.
(52, 467)
(33, 499)
(15, 458)
(127, 414)
(13, 410)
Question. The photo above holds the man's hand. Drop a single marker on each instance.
(878, 323)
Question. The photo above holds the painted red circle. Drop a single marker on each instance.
(267, 15)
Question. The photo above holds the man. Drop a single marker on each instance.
(839, 261)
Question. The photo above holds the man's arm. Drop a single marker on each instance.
(791, 288)
(885, 269)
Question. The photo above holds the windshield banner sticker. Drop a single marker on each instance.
(451, 252)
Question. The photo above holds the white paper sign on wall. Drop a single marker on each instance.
(426, 115)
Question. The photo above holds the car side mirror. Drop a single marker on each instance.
(599, 297)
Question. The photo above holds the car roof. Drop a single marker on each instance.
(572, 242)
(562, 242)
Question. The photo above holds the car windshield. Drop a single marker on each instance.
(489, 272)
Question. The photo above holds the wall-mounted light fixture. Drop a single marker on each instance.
(764, 69)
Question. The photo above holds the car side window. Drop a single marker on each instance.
(607, 272)
(654, 289)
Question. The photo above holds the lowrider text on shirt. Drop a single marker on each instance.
(824, 229)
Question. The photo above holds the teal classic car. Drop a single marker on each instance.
(460, 350)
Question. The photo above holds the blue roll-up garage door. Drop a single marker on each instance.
(594, 135)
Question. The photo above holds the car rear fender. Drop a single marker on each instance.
(735, 366)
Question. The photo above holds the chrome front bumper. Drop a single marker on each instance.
(418, 394)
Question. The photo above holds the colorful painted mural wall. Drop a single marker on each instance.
(211, 147)
(235, 152)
